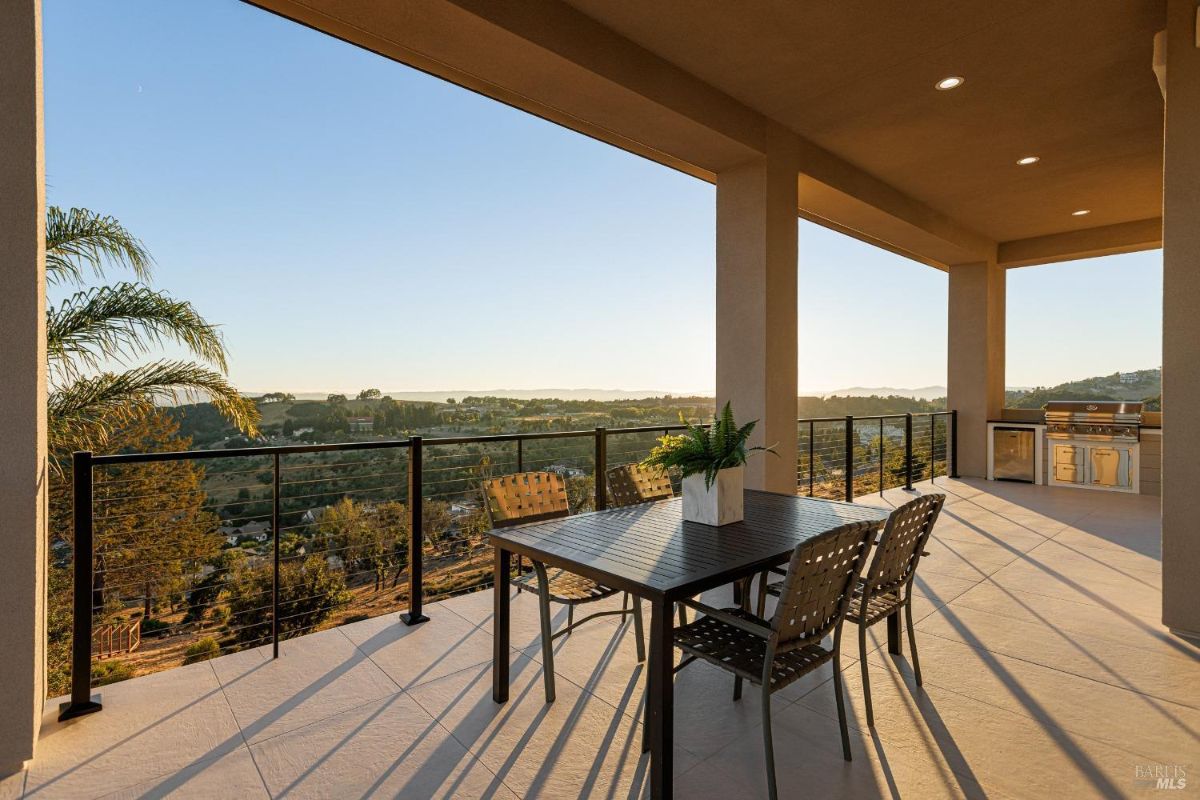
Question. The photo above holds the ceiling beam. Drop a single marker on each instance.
(1106, 240)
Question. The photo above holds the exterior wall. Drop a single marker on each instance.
(1150, 476)
(756, 309)
(1181, 325)
(975, 358)
(23, 388)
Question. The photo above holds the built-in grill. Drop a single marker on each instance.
(1094, 444)
(1097, 421)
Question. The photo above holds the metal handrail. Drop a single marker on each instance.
(84, 463)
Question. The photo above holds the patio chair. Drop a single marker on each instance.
(887, 587)
(630, 484)
(814, 599)
(532, 497)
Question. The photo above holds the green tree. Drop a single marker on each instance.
(309, 591)
(96, 337)
(370, 394)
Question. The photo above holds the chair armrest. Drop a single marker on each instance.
(730, 619)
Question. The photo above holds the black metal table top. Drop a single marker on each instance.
(649, 549)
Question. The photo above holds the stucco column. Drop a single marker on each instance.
(1181, 324)
(22, 385)
(975, 358)
(756, 306)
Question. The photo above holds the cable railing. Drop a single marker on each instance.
(841, 458)
(194, 554)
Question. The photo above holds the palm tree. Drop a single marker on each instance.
(96, 336)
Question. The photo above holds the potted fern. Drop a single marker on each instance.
(711, 460)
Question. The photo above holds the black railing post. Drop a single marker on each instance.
(601, 469)
(416, 536)
(275, 556)
(953, 466)
(82, 701)
(881, 456)
(932, 447)
(520, 455)
(849, 459)
(908, 451)
(811, 466)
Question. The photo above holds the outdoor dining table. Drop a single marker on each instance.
(650, 551)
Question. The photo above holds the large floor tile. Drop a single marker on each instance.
(578, 746)
(1165, 731)
(385, 748)
(231, 775)
(809, 763)
(315, 677)
(982, 744)
(149, 726)
(1161, 674)
(421, 653)
(1112, 624)
(525, 627)
(12, 786)
(1080, 582)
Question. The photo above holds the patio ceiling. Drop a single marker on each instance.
(885, 157)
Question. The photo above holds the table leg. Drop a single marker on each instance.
(660, 698)
(893, 633)
(500, 625)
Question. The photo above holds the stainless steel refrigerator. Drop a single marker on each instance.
(1012, 454)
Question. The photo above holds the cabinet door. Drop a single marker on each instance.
(1110, 466)
(1069, 463)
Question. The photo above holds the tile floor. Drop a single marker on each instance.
(1046, 673)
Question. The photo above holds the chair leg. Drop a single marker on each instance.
(638, 627)
(624, 602)
(866, 679)
(682, 613)
(762, 594)
(912, 640)
(547, 642)
(768, 743)
(841, 704)
(570, 618)
(737, 689)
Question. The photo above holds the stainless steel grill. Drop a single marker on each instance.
(1097, 421)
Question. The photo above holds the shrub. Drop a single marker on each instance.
(106, 672)
(202, 650)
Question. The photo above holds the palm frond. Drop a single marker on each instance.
(83, 413)
(80, 241)
(125, 320)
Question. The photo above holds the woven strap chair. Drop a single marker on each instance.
(532, 497)
(814, 598)
(630, 484)
(887, 587)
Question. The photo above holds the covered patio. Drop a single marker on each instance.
(1046, 671)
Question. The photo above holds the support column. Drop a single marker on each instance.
(1181, 325)
(975, 358)
(756, 305)
(23, 387)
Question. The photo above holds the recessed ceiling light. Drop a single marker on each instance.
(953, 82)
(1081, 212)
(1027, 160)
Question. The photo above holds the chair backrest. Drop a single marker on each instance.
(630, 484)
(904, 537)
(820, 581)
(524, 497)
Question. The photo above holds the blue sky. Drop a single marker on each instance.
(351, 222)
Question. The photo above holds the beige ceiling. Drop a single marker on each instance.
(695, 83)
(1068, 81)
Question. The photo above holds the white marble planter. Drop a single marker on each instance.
(720, 505)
